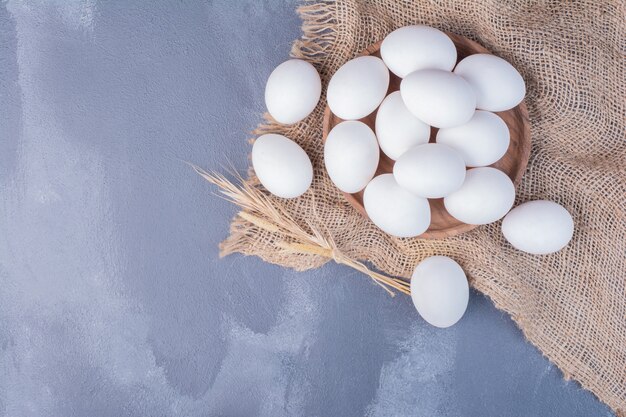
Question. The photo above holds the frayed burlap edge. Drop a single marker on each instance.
(318, 37)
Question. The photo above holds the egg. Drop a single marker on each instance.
(486, 196)
(440, 291)
(497, 84)
(539, 227)
(481, 141)
(395, 210)
(397, 129)
(281, 165)
(417, 47)
(292, 91)
(430, 171)
(358, 87)
(438, 98)
(351, 155)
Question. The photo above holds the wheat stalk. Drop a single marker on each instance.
(258, 209)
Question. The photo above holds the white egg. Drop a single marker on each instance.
(486, 196)
(281, 165)
(440, 291)
(292, 91)
(397, 129)
(351, 155)
(358, 87)
(417, 47)
(438, 98)
(538, 227)
(395, 210)
(481, 141)
(497, 84)
(430, 171)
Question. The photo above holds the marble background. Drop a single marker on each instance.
(113, 301)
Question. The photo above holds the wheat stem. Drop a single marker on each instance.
(258, 209)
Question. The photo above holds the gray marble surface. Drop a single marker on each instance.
(113, 301)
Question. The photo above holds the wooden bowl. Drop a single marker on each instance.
(513, 163)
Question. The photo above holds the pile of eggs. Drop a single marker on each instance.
(460, 100)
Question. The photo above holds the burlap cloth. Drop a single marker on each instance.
(572, 304)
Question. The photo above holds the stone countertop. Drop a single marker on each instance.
(113, 301)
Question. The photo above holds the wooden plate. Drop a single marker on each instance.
(513, 163)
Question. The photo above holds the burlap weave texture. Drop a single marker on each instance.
(572, 304)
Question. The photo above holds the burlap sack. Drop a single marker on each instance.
(572, 304)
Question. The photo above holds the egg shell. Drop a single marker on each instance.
(438, 98)
(292, 91)
(358, 87)
(351, 155)
(430, 171)
(397, 129)
(486, 196)
(395, 210)
(497, 84)
(412, 48)
(538, 227)
(281, 165)
(440, 291)
(481, 141)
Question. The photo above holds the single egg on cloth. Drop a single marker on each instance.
(397, 129)
(292, 91)
(538, 227)
(281, 165)
(417, 47)
(438, 98)
(430, 171)
(351, 155)
(481, 141)
(486, 196)
(497, 84)
(358, 87)
(440, 291)
(395, 210)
